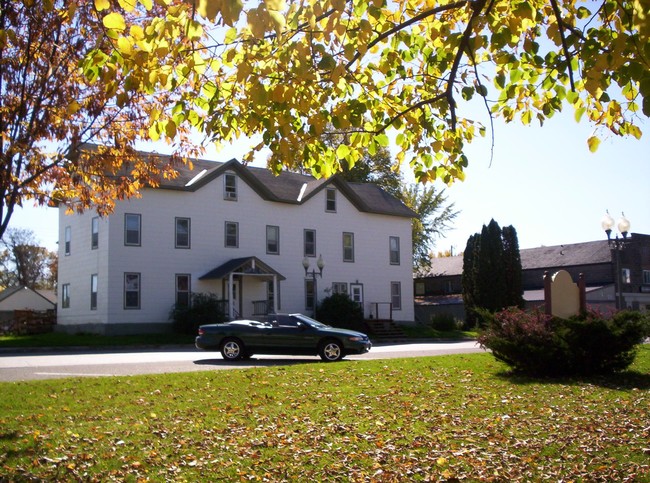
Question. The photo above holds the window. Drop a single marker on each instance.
(310, 243)
(68, 239)
(646, 277)
(348, 247)
(356, 293)
(131, 290)
(340, 287)
(182, 232)
(94, 233)
(419, 288)
(330, 200)
(232, 234)
(93, 291)
(394, 250)
(65, 296)
(131, 229)
(626, 275)
(230, 187)
(396, 295)
(272, 240)
(310, 294)
(183, 290)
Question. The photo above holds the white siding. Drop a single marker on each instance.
(158, 261)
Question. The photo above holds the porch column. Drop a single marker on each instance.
(231, 301)
(276, 289)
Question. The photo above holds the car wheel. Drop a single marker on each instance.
(331, 351)
(232, 349)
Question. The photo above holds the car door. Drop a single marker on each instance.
(291, 336)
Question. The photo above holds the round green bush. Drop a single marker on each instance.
(537, 344)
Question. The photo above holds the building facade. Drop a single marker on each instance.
(440, 290)
(242, 234)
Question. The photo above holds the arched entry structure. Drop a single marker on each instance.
(246, 286)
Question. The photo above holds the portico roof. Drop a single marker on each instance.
(241, 266)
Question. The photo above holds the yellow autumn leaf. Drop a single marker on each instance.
(114, 21)
(102, 5)
(593, 142)
(124, 46)
(209, 8)
(127, 5)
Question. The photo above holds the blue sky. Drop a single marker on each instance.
(542, 180)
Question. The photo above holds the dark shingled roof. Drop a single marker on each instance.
(287, 187)
(586, 253)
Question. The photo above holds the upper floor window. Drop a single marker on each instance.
(183, 290)
(626, 275)
(68, 239)
(131, 290)
(230, 187)
(94, 233)
(396, 295)
(272, 240)
(232, 234)
(182, 233)
(646, 277)
(330, 199)
(132, 229)
(93, 291)
(348, 247)
(310, 243)
(394, 250)
(65, 296)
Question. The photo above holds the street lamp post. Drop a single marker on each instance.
(617, 244)
(313, 274)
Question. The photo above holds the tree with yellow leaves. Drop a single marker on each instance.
(63, 85)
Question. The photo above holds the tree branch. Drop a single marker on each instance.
(565, 47)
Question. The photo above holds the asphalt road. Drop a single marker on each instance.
(27, 365)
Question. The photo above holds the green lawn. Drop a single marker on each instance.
(428, 419)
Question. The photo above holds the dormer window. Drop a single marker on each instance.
(230, 187)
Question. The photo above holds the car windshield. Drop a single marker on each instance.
(308, 320)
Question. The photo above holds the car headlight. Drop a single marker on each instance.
(357, 338)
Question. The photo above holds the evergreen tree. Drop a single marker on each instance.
(470, 256)
(512, 267)
(491, 271)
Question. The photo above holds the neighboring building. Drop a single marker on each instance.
(25, 298)
(440, 290)
(241, 233)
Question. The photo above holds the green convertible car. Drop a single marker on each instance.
(289, 334)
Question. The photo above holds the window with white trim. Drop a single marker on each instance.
(93, 291)
(330, 200)
(183, 289)
(231, 234)
(394, 250)
(182, 238)
(310, 243)
(65, 296)
(396, 295)
(230, 187)
(131, 290)
(348, 247)
(272, 240)
(132, 228)
(68, 239)
(310, 294)
(94, 233)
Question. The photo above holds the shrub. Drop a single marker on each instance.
(205, 308)
(339, 310)
(538, 344)
(444, 322)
